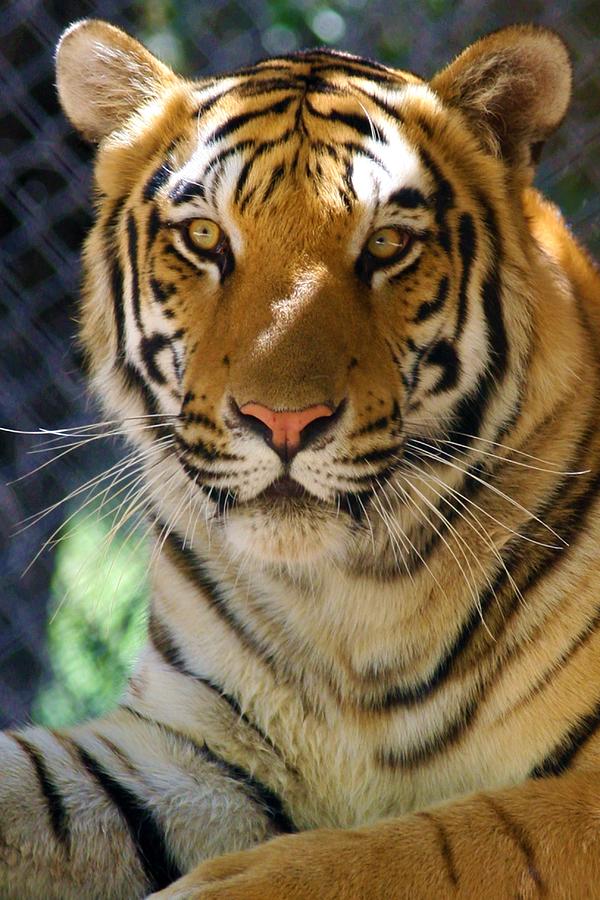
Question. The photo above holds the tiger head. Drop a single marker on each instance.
(300, 267)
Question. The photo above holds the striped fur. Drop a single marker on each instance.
(401, 622)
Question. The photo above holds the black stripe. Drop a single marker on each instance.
(133, 380)
(264, 796)
(196, 571)
(223, 498)
(359, 150)
(409, 758)
(467, 248)
(517, 833)
(131, 377)
(162, 291)
(410, 269)
(199, 448)
(360, 72)
(164, 643)
(444, 200)
(444, 355)
(260, 150)
(57, 811)
(154, 225)
(207, 105)
(559, 664)
(256, 790)
(470, 411)
(375, 455)
(146, 834)
(492, 301)
(542, 561)
(430, 307)
(132, 250)
(444, 845)
(158, 178)
(215, 164)
(409, 198)
(266, 85)
(111, 246)
(559, 760)
(390, 111)
(195, 418)
(150, 347)
(236, 122)
(356, 122)
(184, 191)
(276, 177)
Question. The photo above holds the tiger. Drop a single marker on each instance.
(356, 354)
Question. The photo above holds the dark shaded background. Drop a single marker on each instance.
(45, 210)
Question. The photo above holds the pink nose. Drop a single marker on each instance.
(285, 427)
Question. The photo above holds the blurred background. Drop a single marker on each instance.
(71, 621)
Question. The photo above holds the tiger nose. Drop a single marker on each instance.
(286, 427)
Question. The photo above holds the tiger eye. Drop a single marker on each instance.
(205, 234)
(387, 242)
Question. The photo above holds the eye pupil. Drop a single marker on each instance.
(387, 242)
(205, 234)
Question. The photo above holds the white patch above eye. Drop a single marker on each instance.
(219, 187)
(404, 169)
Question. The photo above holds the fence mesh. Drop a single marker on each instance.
(45, 210)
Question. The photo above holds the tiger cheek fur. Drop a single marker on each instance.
(356, 358)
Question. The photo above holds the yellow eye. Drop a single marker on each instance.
(387, 242)
(205, 234)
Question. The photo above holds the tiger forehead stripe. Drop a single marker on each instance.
(316, 88)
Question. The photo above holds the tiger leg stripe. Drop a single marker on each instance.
(57, 811)
(164, 643)
(145, 833)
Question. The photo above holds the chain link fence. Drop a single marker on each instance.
(45, 211)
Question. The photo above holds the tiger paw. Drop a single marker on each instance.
(318, 865)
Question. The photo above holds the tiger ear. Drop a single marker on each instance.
(514, 86)
(103, 76)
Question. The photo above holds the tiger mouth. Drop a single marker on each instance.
(285, 487)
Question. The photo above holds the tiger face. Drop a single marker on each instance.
(302, 267)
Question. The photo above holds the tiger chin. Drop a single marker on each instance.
(357, 358)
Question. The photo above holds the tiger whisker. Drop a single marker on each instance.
(408, 503)
(471, 585)
(430, 453)
(512, 462)
(107, 541)
(82, 443)
(53, 444)
(120, 465)
(395, 531)
(481, 531)
(51, 540)
(482, 509)
(364, 509)
(475, 437)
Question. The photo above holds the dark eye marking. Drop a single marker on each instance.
(150, 347)
(409, 198)
(430, 307)
(444, 355)
(156, 181)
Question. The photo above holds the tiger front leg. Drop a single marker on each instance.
(540, 839)
(117, 808)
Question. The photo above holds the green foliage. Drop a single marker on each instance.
(97, 623)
